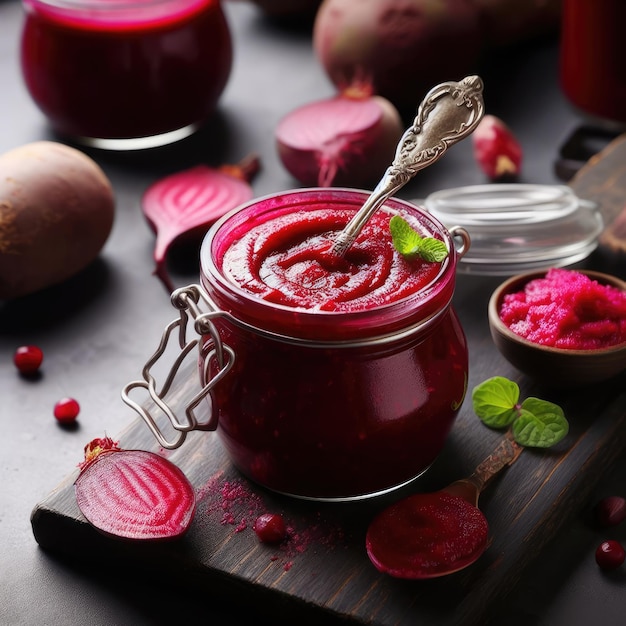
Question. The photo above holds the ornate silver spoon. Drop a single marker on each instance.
(449, 112)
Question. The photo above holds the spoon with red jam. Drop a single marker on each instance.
(429, 535)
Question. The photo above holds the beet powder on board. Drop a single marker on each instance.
(568, 310)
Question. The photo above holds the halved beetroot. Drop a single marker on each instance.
(133, 494)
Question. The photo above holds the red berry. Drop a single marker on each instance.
(28, 359)
(66, 410)
(270, 528)
(610, 511)
(610, 554)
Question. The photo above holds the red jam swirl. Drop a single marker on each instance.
(288, 260)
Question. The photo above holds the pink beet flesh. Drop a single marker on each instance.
(136, 495)
(342, 140)
(185, 204)
(426, 536)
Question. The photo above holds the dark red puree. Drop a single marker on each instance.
(118, 69)
(288, 261)
(348, 372)
(427, 535)
(569, 310)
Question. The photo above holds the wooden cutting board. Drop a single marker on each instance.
(323, 572)
(603, 179)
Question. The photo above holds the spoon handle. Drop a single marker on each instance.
(449, 112)
(505, 454)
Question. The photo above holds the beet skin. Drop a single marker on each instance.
(56, 213)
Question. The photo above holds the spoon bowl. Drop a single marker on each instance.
(429, 535)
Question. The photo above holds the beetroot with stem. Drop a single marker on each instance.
(346, 140)
(401, 47)
(133, 494)
(182, 206)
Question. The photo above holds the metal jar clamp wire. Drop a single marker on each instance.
(186, 300)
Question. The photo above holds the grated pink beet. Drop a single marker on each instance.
(567, 309)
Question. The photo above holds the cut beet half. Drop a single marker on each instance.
(182, 206)
(347, 140)
(135, 494)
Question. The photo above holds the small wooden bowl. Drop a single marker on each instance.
(556, 366)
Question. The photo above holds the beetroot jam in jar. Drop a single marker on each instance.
(125, 74)
(348, 373)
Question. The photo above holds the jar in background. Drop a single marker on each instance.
(125, 74)
(593, 59)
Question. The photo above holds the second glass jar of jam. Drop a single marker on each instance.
(125, 74)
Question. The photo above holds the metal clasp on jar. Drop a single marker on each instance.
(461, 240)
(211, 349)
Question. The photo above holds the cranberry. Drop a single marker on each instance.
(66, 410)
(610, 511)
(270, 528)
(610, 554)
(28, 359)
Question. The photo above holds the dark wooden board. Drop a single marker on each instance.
(324, 573)
(603, 179)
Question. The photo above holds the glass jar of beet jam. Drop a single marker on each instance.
(344, 374)
(125, 74)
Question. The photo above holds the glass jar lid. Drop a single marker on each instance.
(518, 227)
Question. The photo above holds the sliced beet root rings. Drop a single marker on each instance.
(133, 494)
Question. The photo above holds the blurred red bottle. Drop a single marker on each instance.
(593, 59)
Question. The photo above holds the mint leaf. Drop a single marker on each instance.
(535, 423)
(407, 242)
(541, 424)
(495, 401)
(406, 239)
(433, 250)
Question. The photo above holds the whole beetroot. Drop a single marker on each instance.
(402, 47)
(56, 213)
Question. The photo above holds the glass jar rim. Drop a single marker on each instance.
(401, 314)
(119, 13)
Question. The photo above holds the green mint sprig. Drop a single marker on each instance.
(534, 423)
(408, 242)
